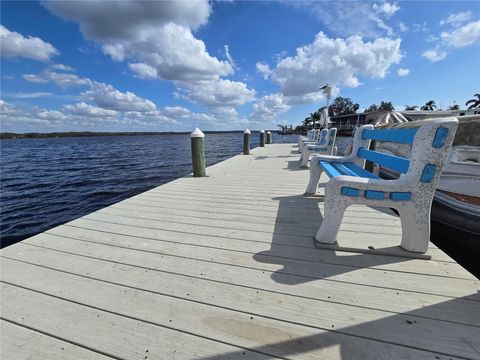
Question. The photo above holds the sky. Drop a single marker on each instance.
(226, 65)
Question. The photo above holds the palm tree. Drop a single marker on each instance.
(411, 107)
(475, 102)
(454, 107)
(429, 105)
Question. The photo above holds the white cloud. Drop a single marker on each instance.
(403, 72)
(31, 95)
(420, 27)
(157, 34)
(269, 106)
(62, 67)
(457, 19)
(107, 97)
(342, 17)
(229, 56)
(403, 27)
(335, 61)
(264, 69)
(434, 55)
(84, 109)
(61, 79)
(464, 36)
(223, 93)
(123, 19)
(176, 112)
(386, 8)
(13, 44)
(143, 70)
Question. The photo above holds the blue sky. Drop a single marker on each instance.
(172, 66)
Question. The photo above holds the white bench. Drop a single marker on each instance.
(312, 137)
(411, 194)
(326, 146)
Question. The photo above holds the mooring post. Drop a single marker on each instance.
(262, 138)
(269, 137)
(198, 152)
(246, 142)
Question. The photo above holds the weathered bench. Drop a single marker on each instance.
(310, 136)
(411, 194)
(321, 137)
(326, 146)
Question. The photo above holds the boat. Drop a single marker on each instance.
(457, 199)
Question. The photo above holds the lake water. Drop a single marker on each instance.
(47, 182)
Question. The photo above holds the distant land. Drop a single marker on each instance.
(10, 135)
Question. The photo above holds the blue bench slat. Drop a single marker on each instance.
(401, 196)
(440, 137)
(360, 172)
(348, 191)
(374, 194)
(389, 161)
(343, 169)
(329, 169)
(428, 173)
(403, 136)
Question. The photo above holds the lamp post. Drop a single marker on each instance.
(327, 91)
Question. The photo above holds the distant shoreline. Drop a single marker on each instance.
(11, 136)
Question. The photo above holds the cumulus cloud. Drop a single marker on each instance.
(223, 92)
(403, 72)
(63, 80)
(13, 44)
(334, 61)
(458, 37)
(434, 55)
(84, 109)
(156, 36)
(107, 97)
(269, 106)
(31, 95)
(464, 36)
(129, 20)
(403, 27)
(143, 70)
(457, 19)
(264, 69)
(62, 67)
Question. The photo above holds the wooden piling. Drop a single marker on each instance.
(246, 142)
(198, 152)
(262, 138)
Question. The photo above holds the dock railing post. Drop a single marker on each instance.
(262, 138)
(246, 142)
(198, 152)
(269, 137)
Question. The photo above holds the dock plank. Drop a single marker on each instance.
(223, 267)
(138, 273)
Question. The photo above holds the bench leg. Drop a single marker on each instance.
(315, 172)
(305, 157)
(415, 228)
(332, 219)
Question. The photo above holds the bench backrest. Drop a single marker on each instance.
(332, 137)
(322, 137)
(431, 144)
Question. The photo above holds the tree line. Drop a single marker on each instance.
(345, 106)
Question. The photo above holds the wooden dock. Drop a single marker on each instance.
(224, 267)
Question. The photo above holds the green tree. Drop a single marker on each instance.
(386, 105)
(411, 107)
(475, 102)
(454, 107)
(429, 105)
(372, 108)
(342, 106)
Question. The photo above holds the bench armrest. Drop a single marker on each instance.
(336, 183)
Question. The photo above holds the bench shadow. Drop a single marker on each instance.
(367, 340)
(294, 165)
(292, 246)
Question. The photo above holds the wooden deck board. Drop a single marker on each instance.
(223, 267)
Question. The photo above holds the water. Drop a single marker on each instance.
(47, 182)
